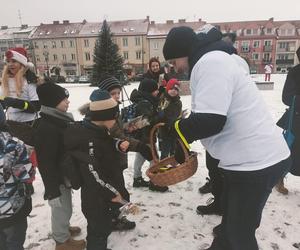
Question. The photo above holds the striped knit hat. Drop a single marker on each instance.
(102, 106)
(109, 83)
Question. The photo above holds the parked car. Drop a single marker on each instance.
(58, 79)
(70, 79)
(83, 79)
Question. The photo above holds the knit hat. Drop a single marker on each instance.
(172, 83)
(148, 85)
(109, 83)
(179, 42)
(51, 94)
(2, 116)
(102, 106)
(208, 34)
(19, 54)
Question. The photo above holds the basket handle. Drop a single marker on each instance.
(154, 149)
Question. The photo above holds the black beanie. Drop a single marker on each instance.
(208, 34)
(102, 106)
(179, 42)
(109, 83)
(148, 85)
(51, 94)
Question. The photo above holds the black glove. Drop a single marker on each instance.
(145, 151)
(15, 103)
(179, 154)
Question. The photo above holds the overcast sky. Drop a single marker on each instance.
(34, 12)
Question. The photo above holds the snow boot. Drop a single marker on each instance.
(156, 188)
(281, 188)
(71, 244)
(74, 231)
(206, 188)
(212, 207)
(123, 224)
(140, 182)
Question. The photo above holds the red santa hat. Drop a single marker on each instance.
(18, 54)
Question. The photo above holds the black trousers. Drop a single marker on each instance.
(244, 196)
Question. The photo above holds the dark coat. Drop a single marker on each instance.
(147, 106)
(48, 140)
(292, 88)
(95, 198)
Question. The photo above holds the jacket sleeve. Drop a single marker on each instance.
(289, 89)
(199, 125)
(172, 112)
(47, 154)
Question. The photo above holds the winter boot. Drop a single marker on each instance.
(156, 188)
(212, 207)
(140, 182)
(281, 188)
(71, 244)
(74, 231)
(122, 224)
(206, 188)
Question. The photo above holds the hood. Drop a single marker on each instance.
(137, 96)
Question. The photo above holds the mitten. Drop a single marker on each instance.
(15, 103)
(55, 203)
(179, 154)
(145, 151)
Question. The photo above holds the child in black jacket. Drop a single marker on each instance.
(101, 177)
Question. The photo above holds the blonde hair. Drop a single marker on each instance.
(19, 80)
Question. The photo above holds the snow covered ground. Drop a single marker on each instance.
(168, 221)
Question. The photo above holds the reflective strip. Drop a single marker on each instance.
(26, 105)
(181, 135)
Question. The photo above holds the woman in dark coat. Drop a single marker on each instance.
(292, 88)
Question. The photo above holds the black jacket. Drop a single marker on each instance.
(48, 140)
(147, 106)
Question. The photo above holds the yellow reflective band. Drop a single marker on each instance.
(181, 135)
(26, 105)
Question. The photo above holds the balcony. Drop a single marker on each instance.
(285, 61)
(268, 48)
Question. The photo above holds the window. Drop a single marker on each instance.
(137, 41)
(269, 30)
(125, 55)
(71, 43)
(86, 43)
(125, 42)
(248, 31)
(45, 45)
(245, 46)
(53, 44)
(267, 56)
(290, 32)
(255, 31)
(64, 57)
(37, 58)
(54, 57)
(155, 45)
(87, 56)
(138, 55)
(256, 44)
(62, 44)
(3, 49)
(36, 45)
(283, 45)
(73, 57)
(255, 56)
(268, 43)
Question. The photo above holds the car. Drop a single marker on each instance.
(83, 79)
(70, 79)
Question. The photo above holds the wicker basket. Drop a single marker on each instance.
(178, 173)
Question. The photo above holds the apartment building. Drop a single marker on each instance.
(55, 45)
(14, 37)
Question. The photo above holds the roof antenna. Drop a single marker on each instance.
(20, 17)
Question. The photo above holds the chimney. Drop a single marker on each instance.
(84, 21)
(181, 20)
(148, 18)
(24, 26)
(4, 27)
(55, 22)
(152, 22)
(271, 19)
(169, 22)
(200, 20)
(66, 21)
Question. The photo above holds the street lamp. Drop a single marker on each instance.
(46, 55)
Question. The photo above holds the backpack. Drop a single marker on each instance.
(128, 113)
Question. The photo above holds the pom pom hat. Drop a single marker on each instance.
(109, 83)
(18, 54)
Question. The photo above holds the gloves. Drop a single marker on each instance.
(55, 203)
(15, 103)
(145, 151)
(179, 154)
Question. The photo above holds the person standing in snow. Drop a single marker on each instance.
(234, 125)
(292, 88)
(268, 71)
(15, 196)
(49, 148)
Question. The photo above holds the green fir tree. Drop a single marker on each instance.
(107, 60)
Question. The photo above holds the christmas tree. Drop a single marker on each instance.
(107, 61)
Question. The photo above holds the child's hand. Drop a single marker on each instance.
(117, 199)
(124, 146)
(131, 128)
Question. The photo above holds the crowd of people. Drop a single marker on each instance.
(246, 154)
